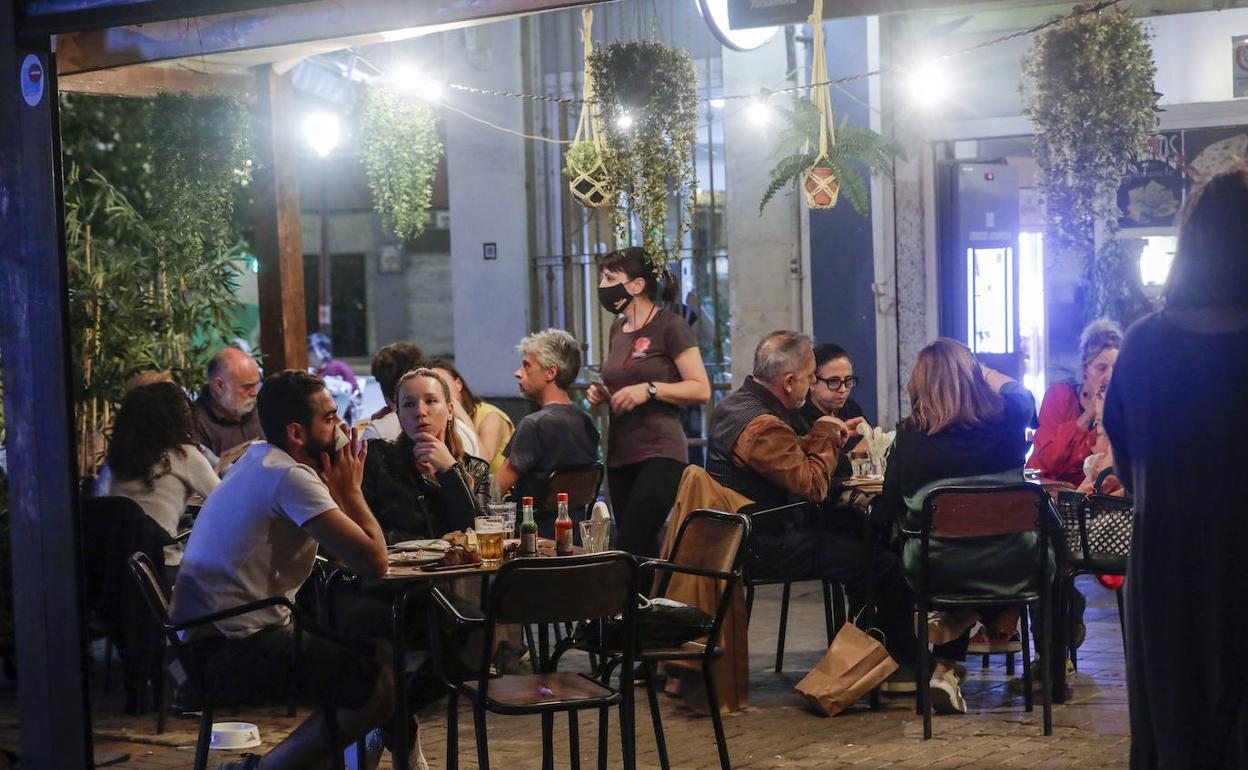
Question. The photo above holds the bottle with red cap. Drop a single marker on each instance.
(528, 529)
(563, 527)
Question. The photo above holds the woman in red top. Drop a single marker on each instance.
(1067, 432)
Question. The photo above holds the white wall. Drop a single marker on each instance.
(1193, 54)
(487, 201)
(764, 262)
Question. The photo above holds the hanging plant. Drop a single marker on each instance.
(824, 176)
(1088, 86)
(647, 99)
(400, 149)
(814, 150)
(583, 162)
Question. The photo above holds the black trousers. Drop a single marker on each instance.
(814, 554)
(642, 495)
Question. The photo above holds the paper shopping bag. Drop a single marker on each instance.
(855, 664)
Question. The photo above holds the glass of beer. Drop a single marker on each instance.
(505, 512)
(490, 536)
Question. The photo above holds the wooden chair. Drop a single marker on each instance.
(545, 590)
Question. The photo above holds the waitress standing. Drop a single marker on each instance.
(653, 367)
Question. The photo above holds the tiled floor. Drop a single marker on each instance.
(1090, 730)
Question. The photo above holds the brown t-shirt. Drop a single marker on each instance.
(647, 355)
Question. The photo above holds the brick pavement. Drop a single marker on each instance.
(775, 732)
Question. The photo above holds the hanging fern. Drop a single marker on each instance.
(656, 87)
(400, 149)
(1088, 84)
(797, 148)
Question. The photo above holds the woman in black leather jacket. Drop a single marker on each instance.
(423, 485)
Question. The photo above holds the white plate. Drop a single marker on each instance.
(413, 558)
(422, 545)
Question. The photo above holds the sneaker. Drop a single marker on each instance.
(247, 762)
(944, 627)
(416, 756)
(901, 682)
(946, 694)
(961, 672)
(985, 642)
(512, 659)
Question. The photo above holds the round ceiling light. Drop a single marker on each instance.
(715, 13)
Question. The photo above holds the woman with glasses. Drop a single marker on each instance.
(830, 394)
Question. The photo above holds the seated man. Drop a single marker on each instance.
(389, 364)
(754, 450)
(559, 434)
(256, 537)
(225, 412)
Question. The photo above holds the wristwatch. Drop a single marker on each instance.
(652, 390)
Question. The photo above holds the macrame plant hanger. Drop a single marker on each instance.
(587, 178)
(818, 182)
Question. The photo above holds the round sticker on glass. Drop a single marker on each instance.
(33, 80)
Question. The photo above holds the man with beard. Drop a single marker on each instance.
(257, 537)
(225, 413)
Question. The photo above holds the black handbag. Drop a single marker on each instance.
(1097, 527)
(660, 623)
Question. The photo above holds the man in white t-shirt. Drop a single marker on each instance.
(256, 537)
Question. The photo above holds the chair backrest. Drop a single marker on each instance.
(563, 589)
(582, 484)
(149, 584)
(712, 540)
(113, 528)
(987, 510)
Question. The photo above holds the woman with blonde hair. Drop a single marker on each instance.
(492, 425)
(966, 420)
(423, 483)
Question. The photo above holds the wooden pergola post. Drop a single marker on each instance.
(279, 245)
(34, 341)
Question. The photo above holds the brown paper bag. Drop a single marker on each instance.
(855, 664)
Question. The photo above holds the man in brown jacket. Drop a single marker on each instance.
(755, 451)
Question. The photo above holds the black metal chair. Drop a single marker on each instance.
(970, 521)
(187, 657)
(116, 527)
(581, 483)
(545, 590)
(709, 544)
(834, 601)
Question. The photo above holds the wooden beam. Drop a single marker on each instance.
(281, 25)
(283, 325)
(34, 335)
(147, 80)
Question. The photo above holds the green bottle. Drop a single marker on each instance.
(528, 530)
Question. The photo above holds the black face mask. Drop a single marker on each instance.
(614, 298)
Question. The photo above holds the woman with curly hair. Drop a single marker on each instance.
(1071, 408)
(154, 460)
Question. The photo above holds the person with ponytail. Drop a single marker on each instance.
(653, 368)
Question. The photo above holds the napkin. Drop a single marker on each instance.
(877, 442)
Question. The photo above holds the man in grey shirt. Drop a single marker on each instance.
(558, 435)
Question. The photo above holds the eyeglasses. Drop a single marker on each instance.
(835, 383)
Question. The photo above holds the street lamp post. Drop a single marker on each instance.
(321, 131)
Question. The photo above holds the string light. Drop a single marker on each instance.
(321, 131)
(928, 84)
(718, 103)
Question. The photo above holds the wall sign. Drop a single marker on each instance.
(489, 250)
(33, 80)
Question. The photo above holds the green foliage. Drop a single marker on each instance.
(797, 148)
(400, 149)
(580, 156)
(153, 278)
(1088, 84)
(656, 86)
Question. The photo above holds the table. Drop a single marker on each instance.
(402, 579)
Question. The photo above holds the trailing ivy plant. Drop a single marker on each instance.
(647, 95)
(797, 148)
(400, 149)
(1088, 86)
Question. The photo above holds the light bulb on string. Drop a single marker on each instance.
(928, 84)
(759, 112)
(321, 131)
(718, 103)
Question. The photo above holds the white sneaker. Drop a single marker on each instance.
(946, 695)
